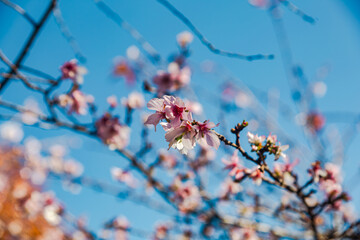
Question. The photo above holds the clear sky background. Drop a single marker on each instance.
(234, 25)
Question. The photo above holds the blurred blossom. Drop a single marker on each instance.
(112, 132)
(132, 52)
(134, 100)
(51, 214)
(194, 107)
(300, 119)
(167, 159)
(207, 66)
(30, 117)
(73, 168)
(76, 101)
(229, 92)
(57, 150)
(228, 188)
(259, 3)
(112, 101)
(176, 77)
(78, 235)
(243, 234)
(184, 39)
(234, 164)
(126, 177)
(121, 226)
(161, 231)
(3, 182)
(187, 195)
(15, 227)
(71, 70)
(11, 131)
(315, 121)
(123, 69)
(32, 146)
(319, 89)
(311, 201)
(242, 99)
(256, 175)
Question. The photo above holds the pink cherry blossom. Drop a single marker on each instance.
(112, 132)
(243, 234)
(158, 105)
(172, 80)
(167, 160)
(123, 69)
(71, 70)
(126, 177)
(235, 166)
(135, 100)
(316, 171)
(205, 135)
(228, 188)
(187, 195)
(255, 141)
(259, 3)
(193, 107)
(182, 137)
(175, 110)
(161, 231)
(184, 39)
(281, 168)
(76, 101)
(112, 101)
(257, 176)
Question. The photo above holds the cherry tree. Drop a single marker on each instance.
(234, 175)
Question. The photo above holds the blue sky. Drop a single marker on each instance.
(230, 25)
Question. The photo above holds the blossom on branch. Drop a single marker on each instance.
(176, 77)
(134, 100)
(76, 101)
(182, 132)
(71, 70)
(184, 39)
(111, 132)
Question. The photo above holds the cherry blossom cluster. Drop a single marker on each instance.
(111, 132)
(186, 194)
(329, 180)
(182, 132)
(76, 101)
(238, 171)
(271, 145)
(73, 71)
(175, 77)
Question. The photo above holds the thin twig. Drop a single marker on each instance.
(153, 55)
(67, 34)
(205, 41)
(24, 51)
(20, 10)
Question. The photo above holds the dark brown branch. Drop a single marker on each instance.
(24, 51)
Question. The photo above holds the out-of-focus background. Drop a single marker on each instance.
(328, 51)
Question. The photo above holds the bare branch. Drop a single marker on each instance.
(20, 10)
(67, 34)
(205, 41)
(24, 51)
(145, 45)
